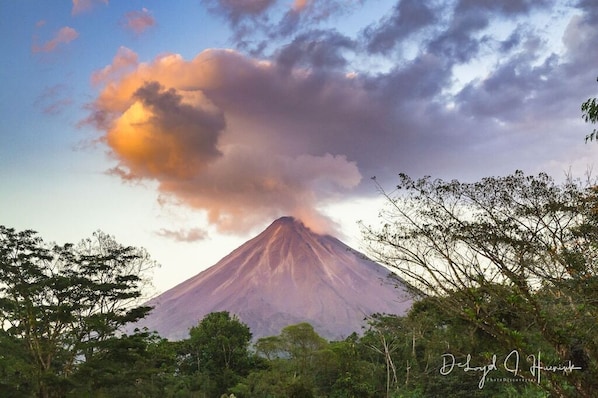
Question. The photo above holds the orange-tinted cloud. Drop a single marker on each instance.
(228, 134)
(165, 136)
(139, 21)
(124, 61)
(300, 5)
(65, 35)
(80, 6)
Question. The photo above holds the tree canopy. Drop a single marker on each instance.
(60, 303)
(515, 256)
(217, 351)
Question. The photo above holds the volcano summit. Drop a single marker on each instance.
(285, 275)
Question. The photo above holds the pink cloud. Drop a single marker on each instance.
(124, 61)
(139, 21)
(300, 5)
(65, 35)
(80, 6)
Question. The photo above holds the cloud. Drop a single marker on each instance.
(316, 49)
(138, 21)
(248, 186)
(300, 5)
(579, 39)
(64, 35)
(504, 7)
(315, 11)
(165, 136)
(460, 41)
(81, 6)
(305, 16)
(54, 99)
(256, 23)
(247, 138)
(407, 18)
(181, 235)
(236, 10)
(534, 89)
(124, 61)
(207, 136)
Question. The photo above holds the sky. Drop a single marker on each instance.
(187, 127)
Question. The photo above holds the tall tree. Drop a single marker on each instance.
(62, 301)
(589, 110)
(499, 251)
(385, 344)
(300, 358)
(217, 351)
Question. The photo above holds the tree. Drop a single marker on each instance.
(138, 365)
(218, 351)
(61, 302)
(299, 357)
(423, 336)
(355, 374)
(515, 256)
(15, 368)
(385, 345)
(302, 343)
(589, 110)
(270, 347)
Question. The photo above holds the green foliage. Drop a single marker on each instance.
(302, 363)
(513, 258)
(218, 351)
(589, 110)
(15, 367)
(270, 347)
(61, 303)
(302, 344)
(130, 365)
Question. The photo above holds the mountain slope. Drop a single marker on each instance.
(285, 275)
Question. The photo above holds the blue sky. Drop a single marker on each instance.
(186, 127)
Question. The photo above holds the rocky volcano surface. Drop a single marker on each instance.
(285, 275)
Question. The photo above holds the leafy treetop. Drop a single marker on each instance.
(589, 111)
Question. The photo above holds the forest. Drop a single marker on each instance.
(504, 273)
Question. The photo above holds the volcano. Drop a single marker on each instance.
(285, 275)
